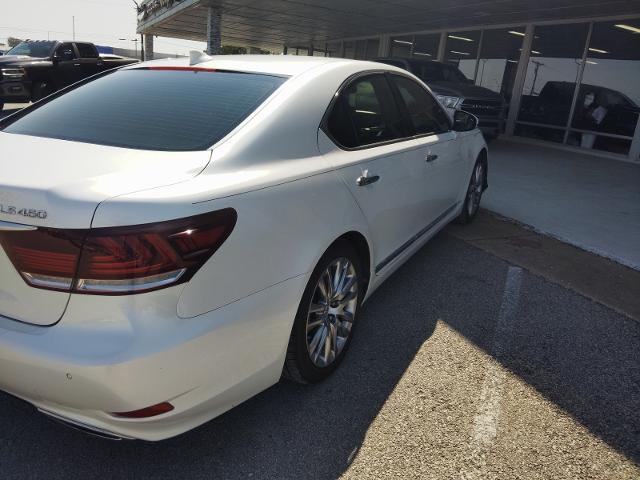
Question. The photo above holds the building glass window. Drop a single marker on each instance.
(609, 103)
(373, 45)
(462, 51)
(401, 46)
(333, 49)
(552, 74)
(499, 57)
(361, 50)
(349, 49)
(426, 46)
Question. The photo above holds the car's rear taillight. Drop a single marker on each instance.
(121, 260)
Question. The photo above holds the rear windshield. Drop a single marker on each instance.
(151, 109)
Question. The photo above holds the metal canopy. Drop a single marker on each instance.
(300, 23)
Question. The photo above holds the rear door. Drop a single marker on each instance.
(439, 150)
(89, 59)
(377, 161)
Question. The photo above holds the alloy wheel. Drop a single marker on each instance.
(331, 312)
(476, 187)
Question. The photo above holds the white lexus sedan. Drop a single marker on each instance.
(178, 235)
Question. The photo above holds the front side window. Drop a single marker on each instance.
(425, 114)
(65, 52)
(151, 109)
(365, 113)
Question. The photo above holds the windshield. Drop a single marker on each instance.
(151, 109)
(439, 72)
(32, 49)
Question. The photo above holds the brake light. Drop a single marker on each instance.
(121, 260)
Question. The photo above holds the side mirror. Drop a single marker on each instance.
(464, 121)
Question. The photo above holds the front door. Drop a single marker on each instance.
(380, 163)
(445, 165)
(68, 69)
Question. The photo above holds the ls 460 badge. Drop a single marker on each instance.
(25, 212)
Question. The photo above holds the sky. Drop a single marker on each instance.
(103, 22)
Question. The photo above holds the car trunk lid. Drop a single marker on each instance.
(57, 184)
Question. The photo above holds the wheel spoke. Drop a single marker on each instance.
(334, 340)
(342, 270)
(317, 337)
(314, 324)
(348, 297)
(345, 289)
(317, 308)
(327, 346)
(324, 285)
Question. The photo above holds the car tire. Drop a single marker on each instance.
(41, 90)
(477, 186)
(323, 326)
(1, 106)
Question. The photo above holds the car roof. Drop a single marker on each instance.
(287, 65)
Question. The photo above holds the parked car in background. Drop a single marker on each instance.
(163, 261)
(34, 69)
(457, 92)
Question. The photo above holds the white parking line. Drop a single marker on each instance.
(486, 420)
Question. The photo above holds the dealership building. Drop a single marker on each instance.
(568, 70)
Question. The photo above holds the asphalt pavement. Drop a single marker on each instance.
(463, 366)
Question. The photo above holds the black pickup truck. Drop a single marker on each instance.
(34, 69)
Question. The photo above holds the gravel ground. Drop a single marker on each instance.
(450, 375)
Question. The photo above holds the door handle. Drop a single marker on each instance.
(365, 179)
(431, 158)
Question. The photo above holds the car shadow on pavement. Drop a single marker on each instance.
(574, 354)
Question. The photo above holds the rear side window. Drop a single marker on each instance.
(151, 109)
(87, 50)
(365, 113)
(424, 112)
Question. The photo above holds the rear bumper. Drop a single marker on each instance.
(15, 91)
(141, 354)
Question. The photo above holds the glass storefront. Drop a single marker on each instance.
(373, 48)
(462, 51)
(606, 112)
(401, 46)
(585, 96)
(426, 46)
(550, 83)
(569, 92)
(333, 49)
(498, 60)
(349, 49)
